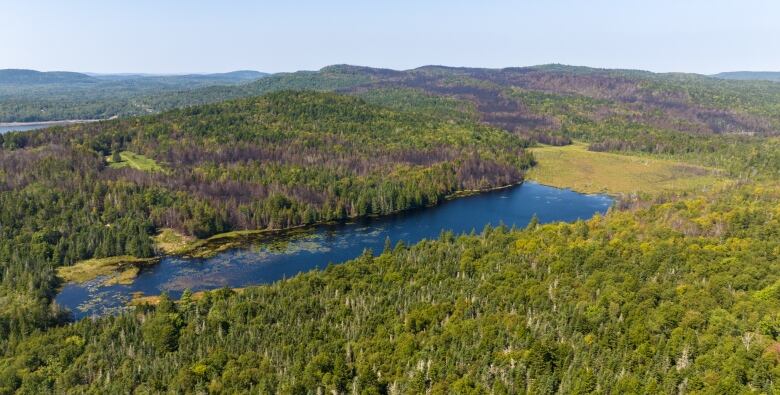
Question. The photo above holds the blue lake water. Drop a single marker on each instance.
(13, 128)
(317, 247)
(5, 128)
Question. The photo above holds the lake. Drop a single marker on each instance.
(9, 127)
(13, 128)
(287, 255)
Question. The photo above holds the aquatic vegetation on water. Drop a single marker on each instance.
(242, 259)
(124, 268)
(124, 277)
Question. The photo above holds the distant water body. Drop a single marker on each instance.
(22, 126)
(286, 256)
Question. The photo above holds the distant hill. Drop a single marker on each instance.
(546, 101)
(750, 75)
(239, 74)
(32, 96)
(232, 76)
(21, 76)
(541, 99)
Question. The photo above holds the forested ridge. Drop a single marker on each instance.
(750, 75)
(667, 293)
(507, 98)
(705, 120)
(696, 118)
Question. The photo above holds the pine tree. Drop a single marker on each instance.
(533, 223)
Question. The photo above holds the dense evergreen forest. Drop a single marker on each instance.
(673, 292)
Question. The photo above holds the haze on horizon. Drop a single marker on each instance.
(200, 36)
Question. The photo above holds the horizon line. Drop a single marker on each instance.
(184, 73)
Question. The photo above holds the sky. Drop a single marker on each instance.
(180, 36)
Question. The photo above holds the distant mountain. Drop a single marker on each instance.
(232, 76)
(750, 75)
(21, 76)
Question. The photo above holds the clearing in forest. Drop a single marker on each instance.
(574, 167)
(136, 161)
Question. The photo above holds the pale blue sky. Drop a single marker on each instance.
(176, 36)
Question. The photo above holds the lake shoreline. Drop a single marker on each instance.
(237, 238)
(251, 258)
(221, 242)
(48, 123)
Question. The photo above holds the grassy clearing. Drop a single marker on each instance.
(577, 168)
(135, 161)
(122, 269)
(171, 242)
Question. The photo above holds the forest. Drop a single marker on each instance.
(273, 162)
(528, 100)
(668, 292)
(675, 295)
(701, 119)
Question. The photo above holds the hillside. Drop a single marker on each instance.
(550, 103)
(693, 118)
(750, 75)
(32, 77)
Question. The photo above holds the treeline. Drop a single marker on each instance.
(673, 295)
(744, 157)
